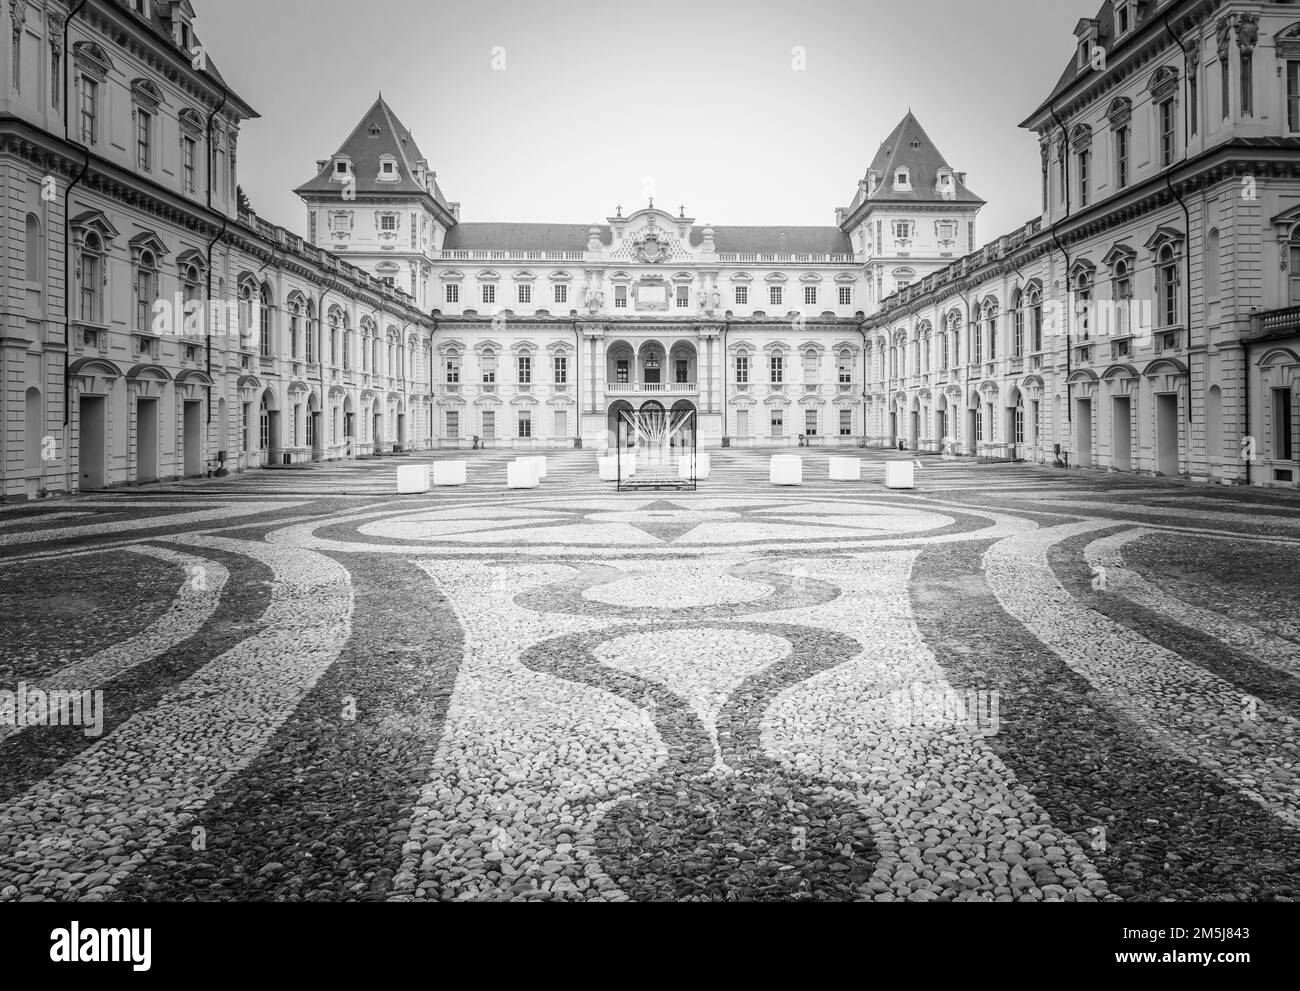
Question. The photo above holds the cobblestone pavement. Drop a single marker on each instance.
(1008, 684)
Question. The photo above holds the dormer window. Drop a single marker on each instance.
(902, 179)
(388, 169)
(1122, 19)
(342, 168)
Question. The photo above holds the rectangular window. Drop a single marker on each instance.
(525, 425)
(453, 425)
(144, 140)
(1121, 157)
(775, 295)
(1193, 105)
(561, 370)
(1085, 163)
(620, 297)
(189, 153)
(683, 297)
(742, 370)
(1168, 134)
(809, 295)
(453, 292)
(1283, 425)
(1293, 96)
(810, 422)
(489, 425)
(742, 292)
(621, 372)
(453, 371)
(56, 76)
(489, 293)
(89, 111)
(846, 371)
(846, 295)
(1020, 424)
(525, 370)
(562, 293)
(846, 423)
(778, 423)
(388, 222)
(777, 366)
(525, 293)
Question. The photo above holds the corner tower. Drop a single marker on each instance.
(376, 203)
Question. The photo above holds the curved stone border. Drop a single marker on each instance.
(1200, 717)
(195, 603)
(80, 831)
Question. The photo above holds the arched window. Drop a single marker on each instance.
(347, 344)
(954, 332)
(334, 338)
(309, 335)
(845, 365)
(264, 324)
(1036, 317)
(1122, 290)
(35, 250)
(811, 367)
(146, 289)
(1018, 324)
(192, 298)
(1083, 304)
(1212, 265)
(91, 280)
(488, 362)
(991, 330)
(295, 329)
(1167, 285)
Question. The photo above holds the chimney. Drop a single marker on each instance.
(321, 163)
(961, 177)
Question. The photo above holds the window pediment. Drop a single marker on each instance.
(776, 278)
(148, 241)
(1118, 253)
(1120, 111)
(95, 220)
(92, 58)
(742, 278)
(146, 92)
(191, 121)
(1165, 236)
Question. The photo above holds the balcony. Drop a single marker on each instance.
(651, 388)
(1273, 324)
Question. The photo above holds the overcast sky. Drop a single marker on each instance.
(600, 100)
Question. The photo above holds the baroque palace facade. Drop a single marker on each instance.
(154, 327)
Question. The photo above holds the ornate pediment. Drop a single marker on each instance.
(651, 245)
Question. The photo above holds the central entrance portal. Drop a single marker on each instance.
(662, 444)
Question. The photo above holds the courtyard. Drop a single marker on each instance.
(1006, 684)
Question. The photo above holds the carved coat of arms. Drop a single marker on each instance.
(650, 247)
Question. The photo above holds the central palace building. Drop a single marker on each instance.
(1147, 320)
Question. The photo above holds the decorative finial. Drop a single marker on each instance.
(652, 202)
(620, 210)
(683, 209)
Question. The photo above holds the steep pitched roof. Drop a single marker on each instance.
(1105, 38)
(910, 147)
(379, 133)
(159, 18)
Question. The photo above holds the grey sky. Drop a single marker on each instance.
(598, 95)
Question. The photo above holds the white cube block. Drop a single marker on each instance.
(447, 473)
(412, 479)
(701, 465)
(900, 475)
(846, 470)
(539, 464)
(787, 469)
(521, 474)
(608, 468)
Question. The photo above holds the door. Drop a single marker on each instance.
(91, 443)
(893, 429)
(941, 429)
(972, 431)
(1083, 433)
(561, 424)
(1122, 433)
(146, 440)
(742, 423)
(192, 440)
(916, 431)
(1167, 434)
